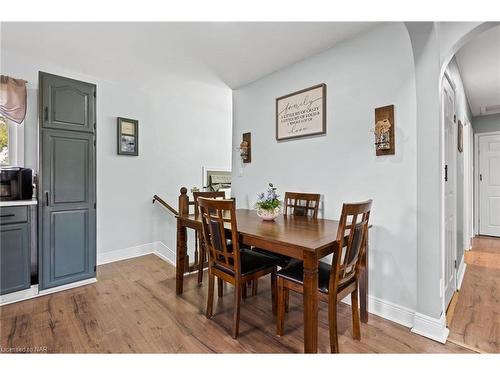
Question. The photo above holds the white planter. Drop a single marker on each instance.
(268, 215)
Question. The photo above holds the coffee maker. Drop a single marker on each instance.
(16, 183)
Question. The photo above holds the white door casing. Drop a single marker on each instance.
(489, 185)
(450, 224)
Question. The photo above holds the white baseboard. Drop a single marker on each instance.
(461, 273)
(158, 248)
(431, 328)
(388, 310)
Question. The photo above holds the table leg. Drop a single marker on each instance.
(181, 257)
(363, 284)
(310, 303)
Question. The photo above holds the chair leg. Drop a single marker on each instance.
(280, 318)
(332, 323)
(356, 329)
(244, 287)
(287, 299)
(236, 316)
(210, 299)
(255, 286)
(273, 289)
(201, 261)
(220, 288)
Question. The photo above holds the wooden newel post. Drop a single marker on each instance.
(182, 259)
(183, 202)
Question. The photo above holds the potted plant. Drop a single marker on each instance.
(268, 205)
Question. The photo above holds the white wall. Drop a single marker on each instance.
(183, 126)
(373, 70)
(486, 124)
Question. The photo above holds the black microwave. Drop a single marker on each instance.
(16, 184)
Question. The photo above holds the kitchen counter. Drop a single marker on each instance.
(26, 202)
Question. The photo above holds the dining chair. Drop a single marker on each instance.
(203, 253)
(302, 204)
(335, 280)
(227, 261)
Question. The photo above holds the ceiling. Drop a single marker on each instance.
(226, 53)
(479, 64)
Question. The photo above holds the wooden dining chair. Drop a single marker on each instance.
(335, 280)
(227, 261)
(302, 204)
(203, 253)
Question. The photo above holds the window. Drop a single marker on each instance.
(4, 142)
(11, 143)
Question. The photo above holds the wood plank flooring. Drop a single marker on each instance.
(133, 309)
(476, 319)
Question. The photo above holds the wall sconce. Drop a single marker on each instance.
(246, 148)
(384, 130)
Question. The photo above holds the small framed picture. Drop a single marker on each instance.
(128, 136)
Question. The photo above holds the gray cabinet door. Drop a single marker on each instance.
(66, 103)
(14, 258)
(67, 201)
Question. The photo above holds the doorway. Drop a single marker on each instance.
(488, 182)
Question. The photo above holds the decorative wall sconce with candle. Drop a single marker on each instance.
(384, 130)
(246, 148)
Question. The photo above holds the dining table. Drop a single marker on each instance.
(300, 237)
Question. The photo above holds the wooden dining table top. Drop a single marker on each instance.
(301, 232)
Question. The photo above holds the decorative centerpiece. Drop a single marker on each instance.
(268, 205)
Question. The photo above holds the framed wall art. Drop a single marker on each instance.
(128, 136)
(301, 113)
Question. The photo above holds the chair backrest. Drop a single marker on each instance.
(351, 235)
(206, 194)
(302, 204)
(215, 213)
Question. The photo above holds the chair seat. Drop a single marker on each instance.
(282, 260)
(251, 262)
(295, 272)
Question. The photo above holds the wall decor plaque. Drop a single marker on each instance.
(384, 131)
(301, 113)
(128, 136)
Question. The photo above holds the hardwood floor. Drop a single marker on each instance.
(476, 319)
(133, 308)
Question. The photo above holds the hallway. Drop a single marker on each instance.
(476, 318)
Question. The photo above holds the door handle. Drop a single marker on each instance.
(46, 113)
(480, 177)
(7, 215)
(47, 198)
(446, 173)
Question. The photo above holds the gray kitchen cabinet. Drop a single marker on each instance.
(14, 250)
(67, 194)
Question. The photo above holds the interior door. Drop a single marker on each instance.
(489, 185)
(450, 222)
(67, 188)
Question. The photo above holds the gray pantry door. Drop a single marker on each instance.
(67, 186)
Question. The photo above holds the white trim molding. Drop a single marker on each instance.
(158, 248)
(431, 328)
(388, 310)
(461, 272)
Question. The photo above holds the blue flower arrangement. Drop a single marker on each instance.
(268, 200)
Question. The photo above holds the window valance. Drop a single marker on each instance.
(13, 98)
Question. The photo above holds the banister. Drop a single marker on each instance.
(165, 204)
